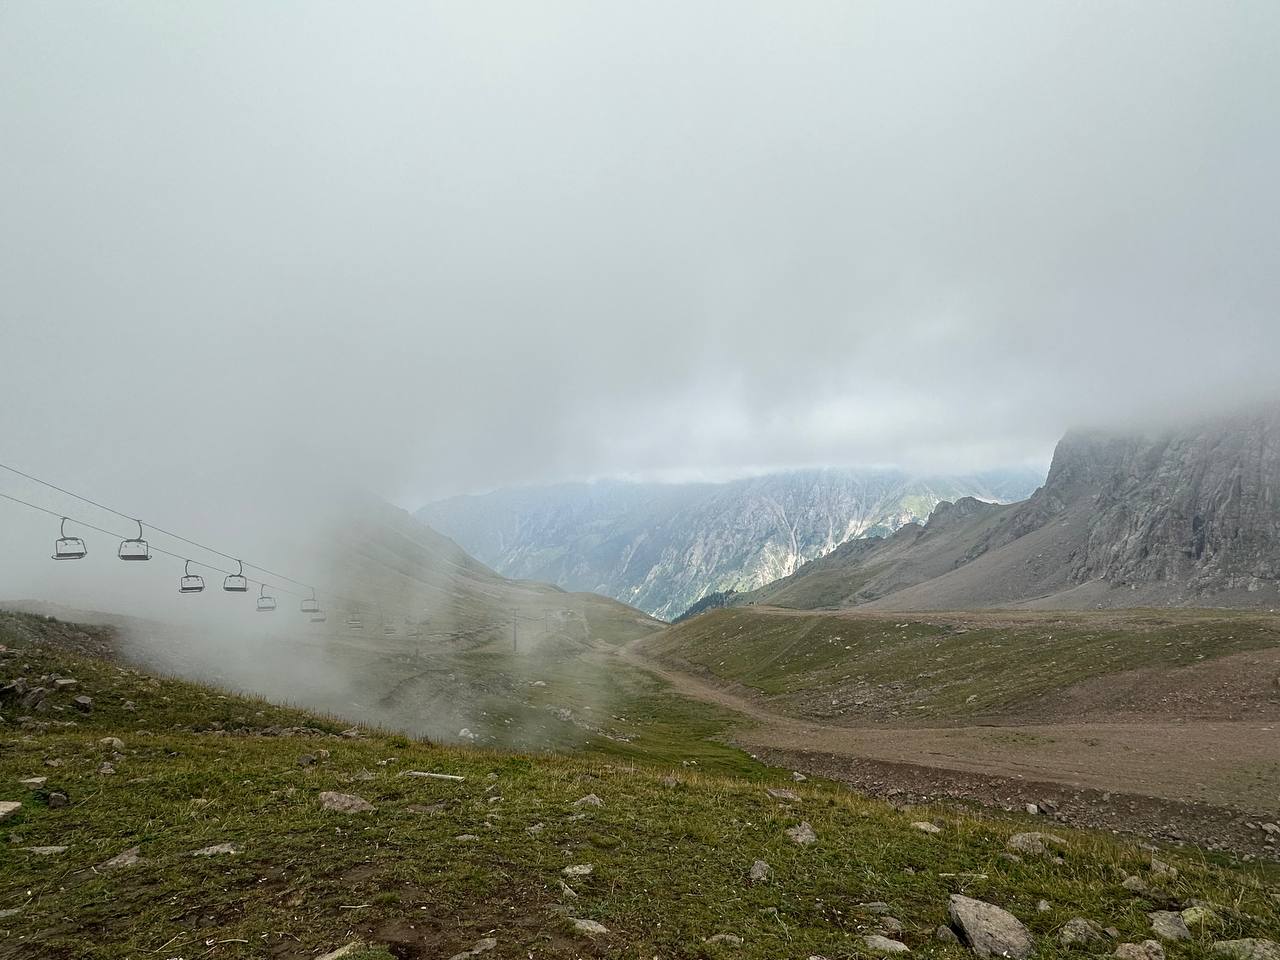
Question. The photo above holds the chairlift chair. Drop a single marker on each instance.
(266, 604)
(68, 548)
(311, 604)
(236, 582)
(319, 617)
(134, 548)
(354, 622)
(190, 582)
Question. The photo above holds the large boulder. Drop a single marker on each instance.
(990, 931)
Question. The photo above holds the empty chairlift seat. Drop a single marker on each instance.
(68, 548)
(311, 604)
(190, 582)
(236, 582)
(135, 548)
(266, 604)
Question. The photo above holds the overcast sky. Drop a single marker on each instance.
(447, 247)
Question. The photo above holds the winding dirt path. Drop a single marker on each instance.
(1200, 780)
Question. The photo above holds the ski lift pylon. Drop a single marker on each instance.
(190, 582)
(68, 548)
(134, 548)
(266, 604)
(236, 582)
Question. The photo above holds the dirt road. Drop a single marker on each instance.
(1201, 780)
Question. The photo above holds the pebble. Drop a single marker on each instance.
(344, 802)
(884, 945)
(589, 927)
(927, 827)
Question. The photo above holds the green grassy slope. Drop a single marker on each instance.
(670, 852)
(946, 668)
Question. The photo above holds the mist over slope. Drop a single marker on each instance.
(1176, 515)
(661, 547)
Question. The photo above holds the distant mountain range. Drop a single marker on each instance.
(1174, 516)
(662, 547)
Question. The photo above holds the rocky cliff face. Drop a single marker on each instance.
(1187, 515)
(662, 547)
(1200, 507)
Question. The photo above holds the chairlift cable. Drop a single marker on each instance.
(112, 533)
(162, 530)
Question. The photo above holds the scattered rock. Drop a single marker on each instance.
(33, 783)
(1079, 932)
(130, 706)
(1032, 809)
(802, 834)
(873, 906)
(590, 800)
(1163, 871)
(927, 827)
(45, 851)
(1147, 950)
(1168, 925)
(10, 912)
(466, 838)
(578, 870)
(1043, 906)
(589, 927)
(1035, 844)
(83, 704)
(946, 935)
(798, 777)
(8, 808)
(64, 683)
(128, 858)
(730, 939)
(218, 848)
(55, 800)
(781, 793)
(477, 948)
(1135, 884)
(567, 890)
(989, 930)
(536, 828)
(341, 952)
(884, 945)
(1248, 949)
(1198, 915)
(760, 871)
(105, 769)
(344, 802)
(112, 743)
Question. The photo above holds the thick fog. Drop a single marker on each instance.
(252, 252)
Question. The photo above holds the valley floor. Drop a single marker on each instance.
(1140, 756)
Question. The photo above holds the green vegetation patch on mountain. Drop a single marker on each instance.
(952, 668)
(201, 831)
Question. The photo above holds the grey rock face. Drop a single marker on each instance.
(990, 931)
